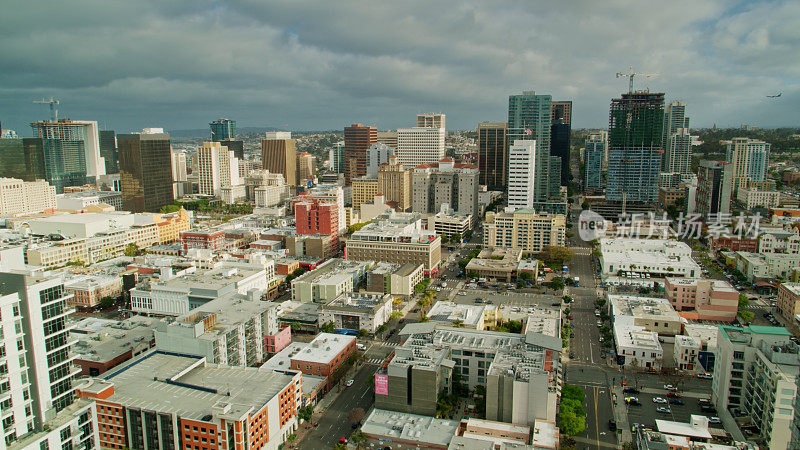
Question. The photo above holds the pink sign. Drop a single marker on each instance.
(382, 384)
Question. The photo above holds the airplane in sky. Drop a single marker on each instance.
(775, 96)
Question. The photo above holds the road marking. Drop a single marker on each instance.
(596, 425)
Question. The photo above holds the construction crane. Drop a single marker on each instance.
(53, 111)
(632, 74)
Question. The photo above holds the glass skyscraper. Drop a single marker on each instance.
(594, 149)
(529, 118)
(145, 164)
(635, 133)
(493, 155)
(222, 129)
(22, 158)
(108, 150)
(70, 151)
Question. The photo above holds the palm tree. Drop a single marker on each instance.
(458, 323)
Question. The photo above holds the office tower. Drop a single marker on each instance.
(431, 120)
(357, 139)
(446, 182)
(278, 155)
(336, 155)
(222, 129)
(394, 182)
(560, 147)
(555, 176)
(179, 175)
(217, 169)
(306, 167)
(492, 151)
(417, 146)
(594, 151)
(714, 186)
(108, 150)
(636, 122)
(677, 140)
(145, 166)
(22, 158)
(389, 138)
(377, 154)
(749, 158)
(529, 118)
(25, 197)
(522, 162)
(235, 146)
(561, 112)
(71, 152)
(38, 394)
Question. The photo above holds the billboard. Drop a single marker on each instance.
(381, 384)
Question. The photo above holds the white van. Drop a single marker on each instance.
(360, 346)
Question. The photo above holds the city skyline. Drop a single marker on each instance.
(301, 68)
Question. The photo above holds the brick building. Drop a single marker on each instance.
(213, 240)
(324, 355)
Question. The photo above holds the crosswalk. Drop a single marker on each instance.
(582, 250)
(376, 361)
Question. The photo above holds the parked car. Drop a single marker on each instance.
(663, 409)
(676, 401)
(708, 409)
(612, 425)
(673, 394)
(670, 387)
(349, 383)
(714, 420)
(659, 400)
(633, 401)
(630, 390)
(705, 376)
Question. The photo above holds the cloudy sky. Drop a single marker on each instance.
(322, 65)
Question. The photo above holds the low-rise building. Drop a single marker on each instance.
(230, 330)
(324, 356)
(657, 257)
(636, 346)
(686, 353)
(408, 430)
(702, 298)
(89, 290)
(706, 336)
(652, 314)
(750, 198)
(395, 279)
(755, 379)
(396, 238)
(329, 280)
(524, 229)
(500, 263)
(209, 239)
(789, 301)
(313, 386)
(104, 344)
(458, 314)
(357, 311)
(757, 266)
(169, 401)
(518, 390)
(449, 223)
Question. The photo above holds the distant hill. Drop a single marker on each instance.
(205, 132)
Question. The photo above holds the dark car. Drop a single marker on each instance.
(673, 395)
(630, 390)
(612, 425)
(676, 401)
(708, 409)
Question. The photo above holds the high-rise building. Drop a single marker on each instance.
(278, 155)
(417, 146)
(217, 168)
(108, 150)
(492, 154)
(636, 122)
(389, 138)
(364, 190)
(25, 197)
(38, 393)
(594, 150)
(222, 129)
(445, 183)
(529, 118)
(524, 229)
(22, 158)
(522, 162)
(554, 175)
(431, 120)
(145, 165)
(561, 112)
(336, 155)
(235, 146)
(179, 174)
(377, 154)
(714, 186)
(357, 139)
(394, 182)
(306, 167)
(677, 140)
(71, 151)
(560, 132)
(750, 159)
(318, 217)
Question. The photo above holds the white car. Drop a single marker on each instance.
(670, 387)
(349, 383)
(659, 400)
(714, 420)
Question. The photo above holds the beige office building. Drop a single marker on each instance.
(394, 182)
(364, 191)
(306, 167)
(431, 120)
(278, 155)
(524, 229)
(25, 197)
(388, 138)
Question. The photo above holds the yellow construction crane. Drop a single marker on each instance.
(632, 74)
(53, 111)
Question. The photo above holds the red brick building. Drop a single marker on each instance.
(317, 217)
(324, 355)
(213, 240)
(733, 244)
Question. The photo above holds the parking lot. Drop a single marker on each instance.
(647, 413)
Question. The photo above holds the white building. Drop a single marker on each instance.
(217, 168)
(637, 347)
(650, 313)
(38, 379)
(377, 154)
(331, 193)
(449, 223)
(357, 311)
(686, 353)
(656, 257)
(420, 145)
(753, 197)
(767, 265)
(329, 280)
(450, 313)
(524, 229)
(521, 174)
(19, 197)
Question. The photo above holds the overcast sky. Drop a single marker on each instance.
(322, 65)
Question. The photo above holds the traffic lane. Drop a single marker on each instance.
(599, 411)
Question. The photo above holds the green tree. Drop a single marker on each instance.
(328, 327)
(362, 332)
(744, 302)
(746, 316)
(305, 413)
(106, 302)
(394, 316)
(131, 250)
(556, 284)
(382, 328)
(472, 274)
(556, 255)
(458, 323)
(166, 209)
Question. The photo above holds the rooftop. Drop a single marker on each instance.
(333, 271)
(643, 307)
(794, 288)
(697, 428)
(470, 316)
(410, 427)
(104, 341)
(358, 301)
(229, 311)
(324, 347)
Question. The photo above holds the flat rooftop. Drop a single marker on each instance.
(410, 427)
(643, 307)
(334, 270)
(104, 341)
(545, 434)
(149, 383)
(358, 301)
(324, 348)
(794, 288)
(718, 285)
(448, 312)
(231, 310)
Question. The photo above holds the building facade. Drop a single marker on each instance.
(594, 152)
(145, 164)
(714, 185)
(522, 161)
(19, 197)
(222, 129)
(217, 168)
(445, 182)
(417, 146)
(278, 155)
(492, 155)
(677, 139)
(394, 183)
(530, 118)
(749, 158)
(524, 229)
(357, 139)
(71, 152)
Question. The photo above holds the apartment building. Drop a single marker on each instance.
(396, 238)
(230, 330)
(702, 298)
(445, 182)
(217, 169)
(364, 191)
(37, 385)
(329, 280)
(755, 378)
(166, 401)
(306, 168)
(324, 355)
(524, 229)
(749, 158)
(395, 279)
(19, 197)
(357, 311)
(88, 290)
(751, 197)
(318, 217)
(789, 301)
(420, 145)
(394, 183)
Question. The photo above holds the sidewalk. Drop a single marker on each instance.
(621, 414)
